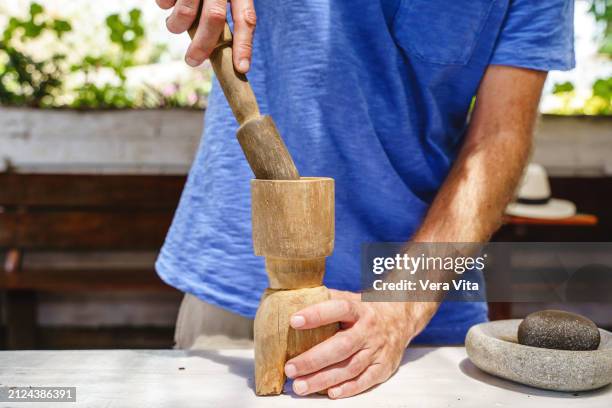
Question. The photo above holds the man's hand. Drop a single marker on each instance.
(365, 352)
(210, 27)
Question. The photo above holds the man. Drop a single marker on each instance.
(375, 94)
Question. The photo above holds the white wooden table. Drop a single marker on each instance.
(428, 377)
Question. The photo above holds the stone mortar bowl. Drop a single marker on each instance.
(493, 347)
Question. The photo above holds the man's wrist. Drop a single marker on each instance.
(417, 315)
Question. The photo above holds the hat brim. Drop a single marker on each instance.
(553, 209)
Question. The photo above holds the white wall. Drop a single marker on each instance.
(574, 146)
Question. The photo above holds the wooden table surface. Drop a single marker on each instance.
(428, 377)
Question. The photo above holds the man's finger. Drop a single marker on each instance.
(339, 347)
(372, 376)
(320, 314)
(334, 374)
(244, 17)
(209, 30)
(183, 15)
(165, 4)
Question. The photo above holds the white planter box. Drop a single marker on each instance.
(574, 145)
(122, 141)
(165, 141)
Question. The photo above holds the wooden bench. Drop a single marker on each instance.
(83, 213)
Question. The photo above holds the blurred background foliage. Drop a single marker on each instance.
(600, 100)
(39, 69)
(49, 60)
(602, 10)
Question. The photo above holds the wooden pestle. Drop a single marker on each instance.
(258, 136)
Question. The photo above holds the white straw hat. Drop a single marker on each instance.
(533, 199)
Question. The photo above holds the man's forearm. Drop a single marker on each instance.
(470, 205)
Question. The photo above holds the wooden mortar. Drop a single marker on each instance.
(293, 228)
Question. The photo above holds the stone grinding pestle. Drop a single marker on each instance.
(261, 143)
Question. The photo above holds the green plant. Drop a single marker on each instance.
(104, 96)
(602, 11)
(601, 101)
(565, 93)
(174, 95)
(126, 33)
(24, 80)
(90, 79)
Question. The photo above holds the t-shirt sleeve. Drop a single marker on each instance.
(537, 34)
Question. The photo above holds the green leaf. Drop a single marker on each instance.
(563, 87)
(603, 88)
(36, 9)
(61, 26)
(116, 37)
(113, 22)
(32, 30)
(135, 15)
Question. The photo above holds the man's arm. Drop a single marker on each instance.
(468, 208)
(470, 205)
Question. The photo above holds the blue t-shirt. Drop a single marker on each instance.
(373, 93)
